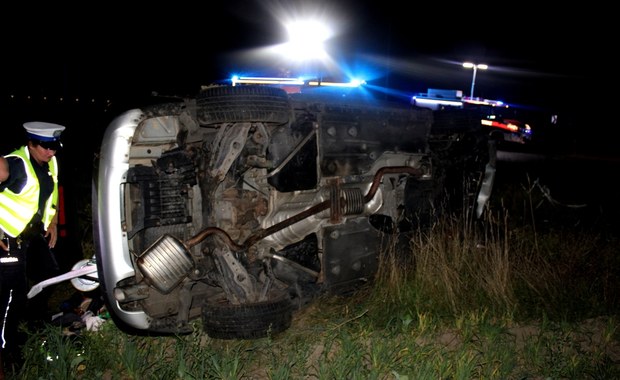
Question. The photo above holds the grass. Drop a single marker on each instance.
(501, 299)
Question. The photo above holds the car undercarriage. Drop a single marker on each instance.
(241, 204)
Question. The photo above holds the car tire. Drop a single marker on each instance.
(223, 320)
(258, 104)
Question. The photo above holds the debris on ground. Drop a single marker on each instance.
(81, 311)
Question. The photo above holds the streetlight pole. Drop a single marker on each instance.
(475, 67)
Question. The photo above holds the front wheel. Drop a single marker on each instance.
(243, 104)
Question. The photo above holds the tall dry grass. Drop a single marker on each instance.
(505, 297)
(511, 262)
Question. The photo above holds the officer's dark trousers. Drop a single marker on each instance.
(13, 301)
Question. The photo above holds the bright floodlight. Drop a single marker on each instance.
(306, 40)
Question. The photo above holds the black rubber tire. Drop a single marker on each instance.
(227, 104)
(224, 320)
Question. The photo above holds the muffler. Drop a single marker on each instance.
(165, 263)
(168, 261)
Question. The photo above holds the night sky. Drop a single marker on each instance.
(81, 65)
(543, 58)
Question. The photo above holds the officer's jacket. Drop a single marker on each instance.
(17, 209)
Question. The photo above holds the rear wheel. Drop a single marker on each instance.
(460, 172)
(223, 320)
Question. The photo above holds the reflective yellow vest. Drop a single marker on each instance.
(17, 209)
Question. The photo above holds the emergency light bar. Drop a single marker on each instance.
(353, 83)
(266, 80)
(293, 82)
(484, 102)
(421, 101)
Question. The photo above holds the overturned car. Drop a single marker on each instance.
(241, 204)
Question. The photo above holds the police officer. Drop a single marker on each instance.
(28, 218)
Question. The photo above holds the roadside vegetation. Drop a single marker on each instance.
(530, 293)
